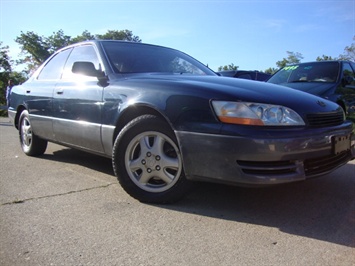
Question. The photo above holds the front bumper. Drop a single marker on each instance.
(244, 160)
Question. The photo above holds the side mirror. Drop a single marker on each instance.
(87, 69)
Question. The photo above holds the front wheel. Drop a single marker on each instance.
(147, 161)
(30, 143)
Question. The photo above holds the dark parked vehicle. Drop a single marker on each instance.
(166, 119)
(332, 80)
(245, 74)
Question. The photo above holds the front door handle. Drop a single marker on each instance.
(59, 91)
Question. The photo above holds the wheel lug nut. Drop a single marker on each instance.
(157, 168)
(157, 158)
(143, 162)
(149, 154)
(149, 170)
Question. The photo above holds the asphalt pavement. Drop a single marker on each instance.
(67, 208)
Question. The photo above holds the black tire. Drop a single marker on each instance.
(30, 143)
(147, 161)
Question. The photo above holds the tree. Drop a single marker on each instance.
(349, 53)
(292, 58)
(125, 35)
(6, 74)
(85, 36)
(36, 49)
(5, 69)
(5, 61)
(325, 58)
(271, 70)
(58, 40)
(228, 67)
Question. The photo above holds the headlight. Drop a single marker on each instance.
(259, 114)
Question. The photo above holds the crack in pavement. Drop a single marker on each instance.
(55, 195)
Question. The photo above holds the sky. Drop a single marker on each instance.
(252, 35)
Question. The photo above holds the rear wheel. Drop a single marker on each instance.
(30, 143)
(147, 161)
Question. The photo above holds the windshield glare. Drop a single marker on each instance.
(139, 58)
(326, 72)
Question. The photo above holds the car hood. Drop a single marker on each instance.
(227, 89)
(315, 88)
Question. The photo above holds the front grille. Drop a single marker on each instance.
(268, 168)
(325, 119)
(322, 165)
(312, 167)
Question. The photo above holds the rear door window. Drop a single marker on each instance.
(54, 68)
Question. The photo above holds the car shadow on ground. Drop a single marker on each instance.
(72, 156)
(321, 208)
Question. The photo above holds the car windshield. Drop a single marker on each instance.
(140, 58)
(326, 72)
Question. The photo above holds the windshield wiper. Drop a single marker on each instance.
(298, 81)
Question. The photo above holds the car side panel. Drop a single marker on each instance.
(38, 99)
(77, 114)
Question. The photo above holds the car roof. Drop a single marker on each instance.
(322, 62)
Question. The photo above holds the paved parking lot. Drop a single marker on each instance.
(66, 208)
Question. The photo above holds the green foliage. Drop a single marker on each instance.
(6, 74)
(228, 67)
(271, 70)
(119, 35)
(5, 62)
(85, 36)
(58, 40)
(36, 49)
(349, 53)
(5, 70)
(292, 58)
(325, 58)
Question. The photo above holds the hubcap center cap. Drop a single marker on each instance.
(150, 161)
